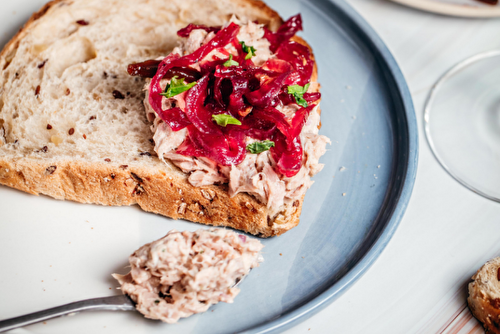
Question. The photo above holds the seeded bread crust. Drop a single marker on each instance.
(155, 187)
(484, 296)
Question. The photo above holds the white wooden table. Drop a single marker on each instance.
(418, 285)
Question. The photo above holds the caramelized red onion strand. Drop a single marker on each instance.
(284, 33)
(184, 32)
(175, 118)
(195, 108)
(247, 92)
(145, 69)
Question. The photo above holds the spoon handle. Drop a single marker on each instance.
(113, 303)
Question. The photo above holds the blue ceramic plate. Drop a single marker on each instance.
(69, 250)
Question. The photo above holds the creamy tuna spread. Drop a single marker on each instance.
(185, 273)
(236, 105)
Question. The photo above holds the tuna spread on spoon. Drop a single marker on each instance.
(185, 273)
(236, 104)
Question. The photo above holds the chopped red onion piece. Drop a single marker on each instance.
(267, 92)
(299, 119)
(300, 57)
(196, 111)
(184, 32)
(225, 150)
(246, 92)
(288, 158)
(175, 118)
(284, 33)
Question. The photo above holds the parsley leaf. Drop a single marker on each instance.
(231, 62)
(296, 89)
(177, 86)
(298, 92)
(249, 50)
(300, 101)
(259, 146)
(224, 120)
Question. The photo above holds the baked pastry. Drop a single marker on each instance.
(484, 296)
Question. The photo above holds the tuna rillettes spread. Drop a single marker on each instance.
(185, 273)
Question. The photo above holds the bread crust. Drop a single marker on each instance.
(159, 190)
(484, 296)
(275, 20)
(14, 42)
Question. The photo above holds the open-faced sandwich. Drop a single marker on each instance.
(215, 122)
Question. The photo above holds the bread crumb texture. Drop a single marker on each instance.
(72, 121)
(484, 296)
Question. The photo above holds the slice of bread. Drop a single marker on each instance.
(72, 121)
(484, 296)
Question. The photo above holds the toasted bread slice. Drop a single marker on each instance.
(72, 121)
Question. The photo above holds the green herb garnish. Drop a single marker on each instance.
(298, 92)
(259, 146)
(157, 302)
(177, 86)
(231, 62)
(224, 120)
(249, 50)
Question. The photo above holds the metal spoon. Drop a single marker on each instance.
(113, 303)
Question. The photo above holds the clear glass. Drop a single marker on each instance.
(462, 123)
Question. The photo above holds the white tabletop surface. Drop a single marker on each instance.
(418, 285)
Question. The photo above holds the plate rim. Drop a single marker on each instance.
(383, 55)
(452, 9)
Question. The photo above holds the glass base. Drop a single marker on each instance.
(462, 123)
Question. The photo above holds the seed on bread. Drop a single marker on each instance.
(137, 178)
(118, 95)
(208, 194)
(138, 190)
(56, 139)
(182, 208)
(50, 170)
(42, 64)
(42, 150)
